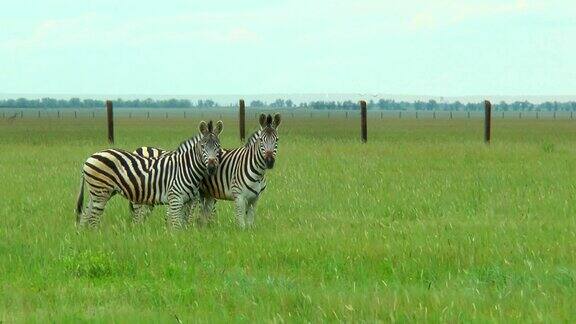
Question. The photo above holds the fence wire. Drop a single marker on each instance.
(228, 113)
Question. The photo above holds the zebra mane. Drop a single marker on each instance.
(253, 138)
(189, 143)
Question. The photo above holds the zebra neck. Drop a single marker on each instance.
(190, 168)
(188, 145)
(256, 164)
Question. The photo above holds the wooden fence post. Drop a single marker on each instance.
(58, 113)
(75, 114)
(110, 115)
(242, 119)
(363, 125)
(487, 120)
(450, 114)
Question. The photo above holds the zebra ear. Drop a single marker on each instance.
(262, 120)
(203, 127)
(219, 127)
(277, 121)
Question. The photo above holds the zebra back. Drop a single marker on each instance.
(149, 152)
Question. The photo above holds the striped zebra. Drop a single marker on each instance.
(141, 212)
(172, 178)
(240, 177)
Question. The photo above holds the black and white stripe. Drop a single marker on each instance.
(240, 177)
(241, 174)
(172, 178)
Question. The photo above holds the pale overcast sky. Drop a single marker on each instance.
(433, 47)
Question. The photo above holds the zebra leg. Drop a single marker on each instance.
(140, 212)
(87, 211)
(241, 211)
(187, 210)
(95, 208)
(251, 213)
(208, 210)
(176, 207)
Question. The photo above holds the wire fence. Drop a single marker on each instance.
(159, 113)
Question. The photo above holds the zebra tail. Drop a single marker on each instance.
(80, 201)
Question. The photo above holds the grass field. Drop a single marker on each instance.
(424, 222)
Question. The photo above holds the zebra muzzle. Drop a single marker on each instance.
(269, 160)
(211, 166)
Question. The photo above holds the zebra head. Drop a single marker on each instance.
(268, 141)
(210, 145)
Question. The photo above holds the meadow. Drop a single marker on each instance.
(422, 223)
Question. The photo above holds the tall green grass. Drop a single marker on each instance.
(424, 222)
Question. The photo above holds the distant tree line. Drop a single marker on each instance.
(95, 103)
(382, 104)
(433, 105)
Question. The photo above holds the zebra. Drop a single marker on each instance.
(172, 178)
(240, 177)
(140, 212)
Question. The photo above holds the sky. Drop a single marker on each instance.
(171, 47)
